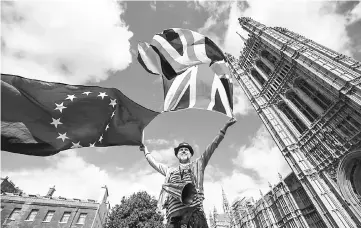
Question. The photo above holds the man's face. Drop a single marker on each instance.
(184, 155)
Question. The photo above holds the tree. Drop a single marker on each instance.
(138, 210)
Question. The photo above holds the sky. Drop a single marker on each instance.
(95, 44)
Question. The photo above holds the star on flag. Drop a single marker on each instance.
(70, 97)
(102, 95)
(62, 136)
(56, 122)
(113, 102)
(60, 107)
(76, 145)
(57, 117)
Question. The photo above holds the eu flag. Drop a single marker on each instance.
(42, 118)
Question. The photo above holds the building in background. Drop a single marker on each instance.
(309, 98)
(221, 220)
(25, 210)
(8, 186)
(285, 205)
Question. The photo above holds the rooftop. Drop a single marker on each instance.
(47, 199)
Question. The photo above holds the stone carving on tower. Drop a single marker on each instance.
(309, 98)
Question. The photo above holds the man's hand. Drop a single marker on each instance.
(231, 122)
(228, 124)
(142, 148)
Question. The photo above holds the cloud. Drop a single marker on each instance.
(38, 41)
(214, 24)
(119, 168)
(232, 42)
(157, 141)
(165, 156)
(66, 172)
(316, 20)
(241, 104)
(263, 157)
(236, 185)
(101, 149)
(69, 169)
(355, 14)
(153, 5)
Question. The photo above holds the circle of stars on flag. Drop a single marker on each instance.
(61, 107)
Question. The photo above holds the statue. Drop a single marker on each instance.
(182, 193)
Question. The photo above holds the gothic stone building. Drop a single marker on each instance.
(221, 220)
(309, 98)
(285, 205)
(21, 210)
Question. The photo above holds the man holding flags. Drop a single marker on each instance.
(182, 193)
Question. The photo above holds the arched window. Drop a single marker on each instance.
(302, 106)
(265, 54)
(299, 125)
(257, 76)
(320, 99)
(263, 67)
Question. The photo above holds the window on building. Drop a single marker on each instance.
(320, 99)
(49, 216)
(263, 67)
(284, 70)
(276, 212)
(292, 223)
(303, 197)
(65, 217)
(257, 76)
(299, 125)
(350, 126)
(265, 54)
(15, 214)
(289, 202)
(81, 219)
(303, 107)
(32, 215)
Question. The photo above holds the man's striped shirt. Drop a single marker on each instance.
(174, 204)
(173, 176)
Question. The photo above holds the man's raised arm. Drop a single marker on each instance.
(161, 168)
(207, 154)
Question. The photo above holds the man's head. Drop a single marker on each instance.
(183, 152)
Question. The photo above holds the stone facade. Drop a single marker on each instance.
(285, 205)
(221, 220)
(309, 98)
(22, 210)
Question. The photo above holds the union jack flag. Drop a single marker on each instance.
(198, 87)
(175, 54)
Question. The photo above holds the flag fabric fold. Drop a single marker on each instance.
(42, 118)
(197, 88)
(175, 54)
